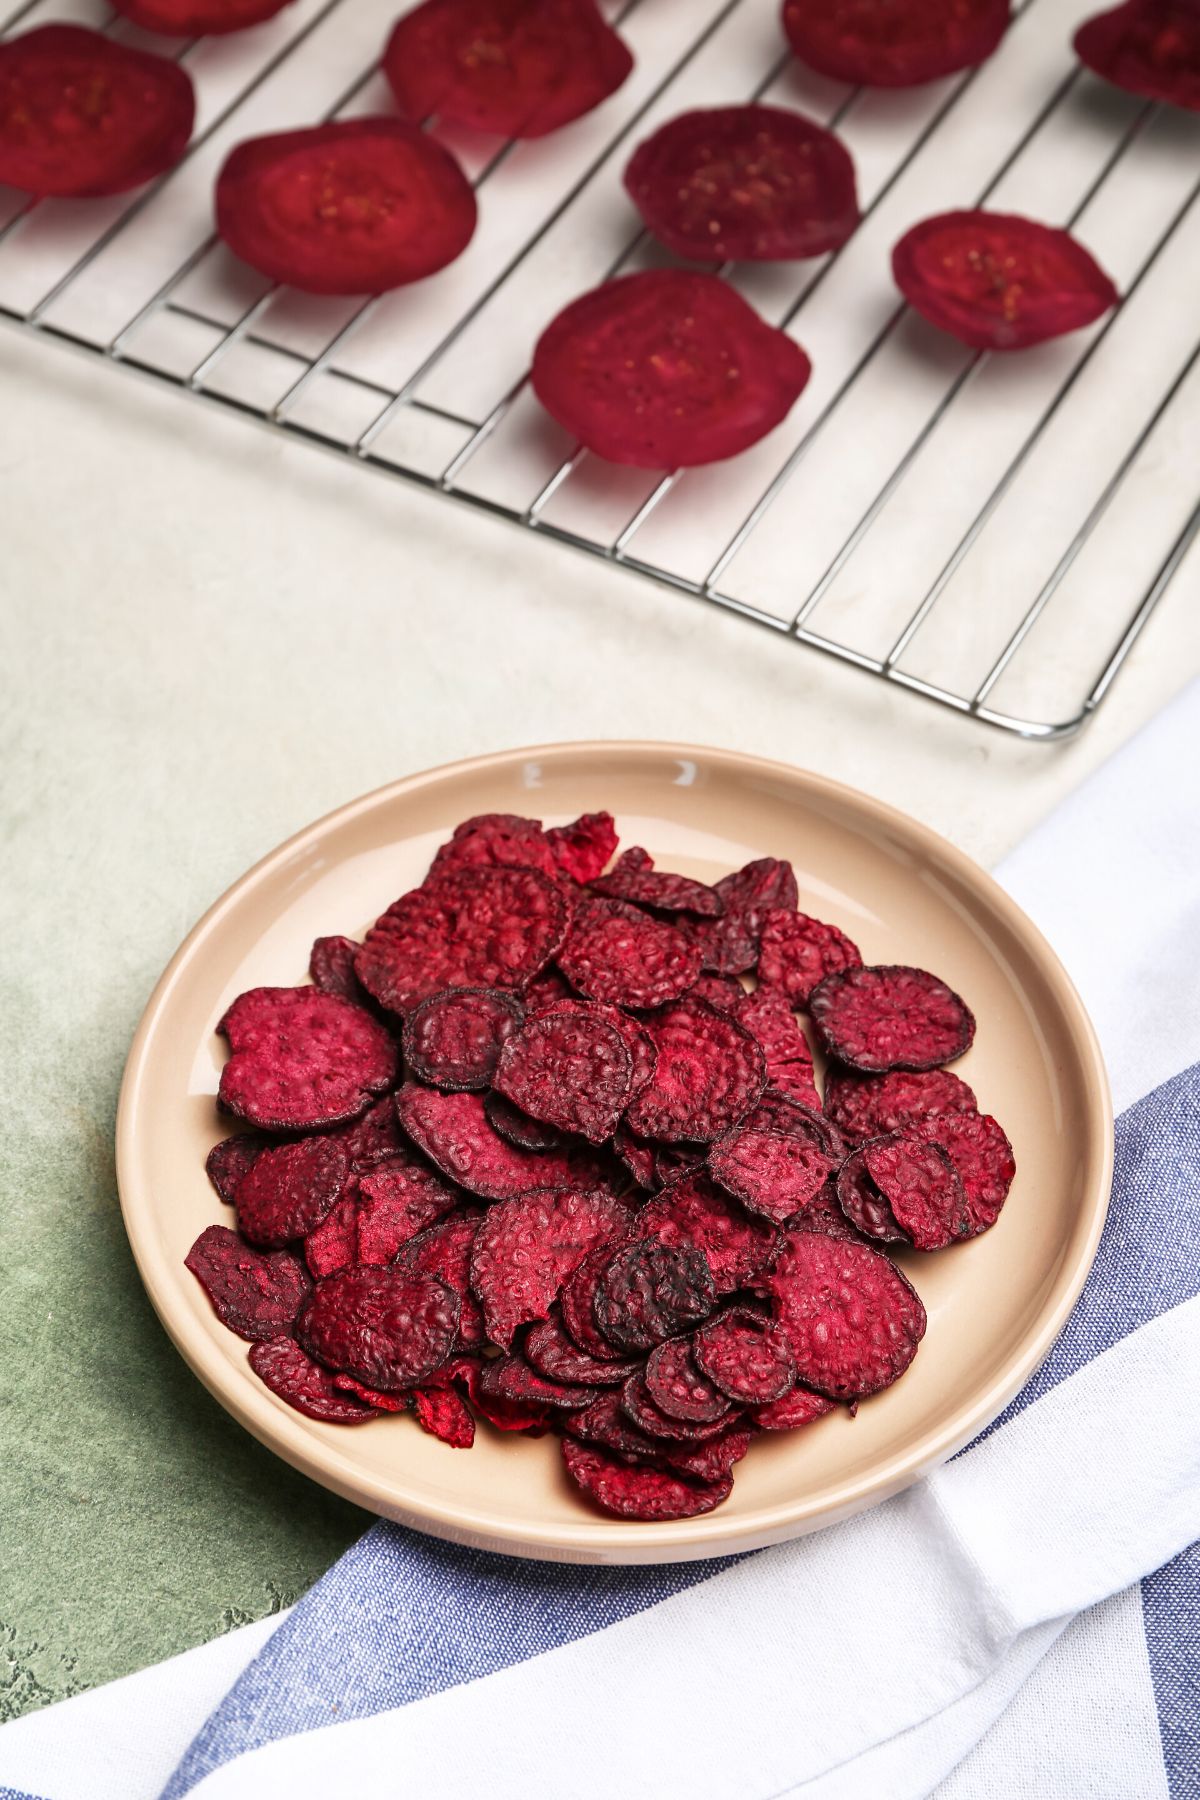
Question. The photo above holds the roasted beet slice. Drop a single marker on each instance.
(331, 967)
(730, 944)
(640, 1409)
(520, 68)
(571, 1069)
(679, 1388)
(257, 1296)
(983, 1156)
(799, 1406)
(198, 18)
(900, 43)
(228, 1161)
(865, 1207)
(516, 1127)
(291, 1190)
(485, 927)
(396, 1200)
(304, 1384)
(651, 1291)
(774, 1173)
(453, 1039)
(693, 1213)
(388, 1327)
(605, 1423)
(921, 1186)
(890, 1017)
(744, 184)
(494, 841)
(582, 849)
(620, 955)
(1147, 47)
(866, 1106)
(375, 1137)
(333, 1245)
(638, 1157)
(745, 1358)
(638, 1491)
(454, 1133)
(638, 1041)
(850, 1319)
(796, 951)
(526, 1248)
(635, 879)
(769, 1017)
(725, 992)
(554, 1354)
(353, 207)
(83, 115)
(709, 1074)
(714, 1460)
(391, 1403)
(444, 1250)
(510, 1378)
(301, 1059)
(444, 1414)
(578, 1302)
(666, 369)
(996, 281)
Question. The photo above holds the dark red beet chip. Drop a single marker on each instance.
(640, 1492)
(375, 1137)
(638, 1041)
(289, 1191)
(578, 1302)
(396, 1200)
(865, 1207)
(660, 1426)
(582, 849)
(333, 1245)
(231, 1159)
(651, 1291)
(618, 954)
(744, 184)
(301, 1059)
(388, 1327)
(494, 841)
(901, 43)
(509, 1415)
(1147, 47)
(824, 1213)
(694, 1213)
(850, 1319)
(304, 1384)
(730, 944)
(516, 1127)
(444, 1414)
(799, 1406)
(983, 1156)
(777, 1111)
(890, 1017)
(638, 1157)
(520, 68)
(391, 1403)
(454, 1039)
(796, 951)
(666, 369)
(353, 207)
(866, 1106)
(545, 988)
(768, 1015)
(724, 992)
(714, 1460)
(921, 1186)
(526, 1249)
(774, 1173)
(444, 1250)
(83, 115)
(745, 1358)
(554, 1355)
(257, 1296)
(331, 967)
(999, 282)
(606, 1424)
(454, 1132)
(485, 927)
(709, 1074)
(572, 1070)
(635, 879)
(198, 18)
(678, 1387)
(510, 1378)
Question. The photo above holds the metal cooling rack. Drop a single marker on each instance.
(971, 529)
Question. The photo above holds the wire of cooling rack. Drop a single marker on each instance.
(397, 375)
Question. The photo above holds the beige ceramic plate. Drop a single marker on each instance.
(905, 895)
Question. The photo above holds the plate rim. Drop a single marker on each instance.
(595, 1539)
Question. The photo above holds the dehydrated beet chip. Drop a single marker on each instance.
(229, 1160)
(795, 952)
(198, 18)
(453, 1039)
(444, 1249)
(578, 1302)
(333, 1244)
(456, 1135)
(1146, 47)
(582, 849)
(526, 1248)
(678, 1386)
(256, 1295)
(983, 1156)
(572, 1070)
(713, 1460)
(900, 44)
(395, 1200)
(850, 1319)
(639, 1492)
(866, 1106)
(921, 1186)
(651, 1291)
(444, 1414)
(301, 1059)
(709, 1074)
(774, 1173)
(620, 955)
(635, 879)
(890, 1017)
(289, 1372)
(392, 1403)
(799, 1406)
(291, 1190)
(730, 944)
(693, 1212)
(606, 1423)
(494, 841)
(554, 1354)
(865, 1207)
(331, 967)
(388, 1327)
(745, 1358)
(639, 1407)
(516, 1127)
(511, 1378)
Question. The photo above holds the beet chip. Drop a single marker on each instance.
(255, 1295)
(483, 927)
(724, 992)
(638, 1041)
(658, 1425)
(745, 1357)
(331, 968)
(868, 1211)
(640, 1492)
(636, 1156)
(694, 1213)
(744, 184)
(396, 1200)
(730, 944)
(890, 1017)
(454, 1133)
(666, 369)
(289, 1191)
(392, 1403)
(494, 841)
(678, 1387)
(444, 1250)
(516, 1127)
(710, 1072)
(454, 1039)
(572, 1070)
(509, 1415)
(334, 1243)
(526, 1248)
(866, 1106)
(921, 1186)
(444, 1414)
(774, 1173)
(304, 1384)
(373, 1138)
(714, 1460)
(899, 45)
(799, 1406)
(1147, 47)
(651, 1291)
(510, 1378)
(578, 1301)
(850, 1319)
(606, 1424)
(983, 1156)
(231, 1159)
(554, 1355)
(301, 1059)
(388, 1327)
(582, 850)
(826, 1214)
(618, 954)
(768, 1016)
(795, 952)
(780, 1112)
(636, 880)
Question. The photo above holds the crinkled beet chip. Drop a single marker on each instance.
(651, 1291)
(635, 879)
(304, 1384)
(901, 44)
(867, 1210)
(444, 1250)
(638, 1041)
(774, 1173)
(511, 1378)
(582, 849)
(890, 1017)
(730, 943)
(606, 1425)
(494, 841)
(709, 1074)
(796, 951)
(526, 1249)
(556, 1356)
(388, 1327)
(454, 1132)
(850, 1319)
(301, 1059)
(640, 1492)
(256, 1295)
(453, 1039)
(866, 1106)
(331, 967)
(444, 1414)
(229, 1160)
(777, 1111)
(693, 1213)
(619, 954)
(799, 1406)
(390, 1403)
(1147, 47)
(714, 1460)
(516, 1127)
(396, 1200)
(983, 1156)
(641, 1410)
(636, 1156)
(291, 1190)
(528, 1417)
(724, 992)
(333, 1244)
(745, 1357)
(921, 1186)
(572, 1070)
(375, 1137)
(578, 1302)
(679, 1388)
(825, 1213)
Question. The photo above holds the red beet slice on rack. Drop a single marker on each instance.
(582, 849)
(387, 1327)
(569, 1068)
(848, 1316)
(526, 1248)
(694, 1213)
(890, 1017)
(81, 115)
(1147, 47)
(198, 18)
(256, 1295)
(290, 1191)
(292, 1374)
(744, 184)
(301, 1059)
(896, 43)
(983, 1156)
(709, 1074)
(640, 1492)
(997, 281)
(666, 369)
(866, 1106)
(354, 207)
(520, 68)
(453, 1039)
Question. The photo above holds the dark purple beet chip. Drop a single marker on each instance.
(678, 1387)
(673, 1160)
(983, 1156)
(578, 1302)
(799, 1406)
(729, 945)
(863, 1204)
(374, 1137)
(773, 1173)
(444, 1414)
(605, 1423)
(334, 1243)
(866, 1106)
(796, 951)
(714, 1460)
(638, 1041)
(388, 1327)
(454, 1133)
(516, 1127)
(745, 1358)
(396, 1200)
(526, 1248)
(582, 849)
(769, 1017)
(848, 1316)
(777, 1111)
(709, 1074)
(639, 1492)
(921, 1186)
(651, 1291)
(890, 1017)
(724, 992)
(635, 879)
(570, 1069)
(824, 1213)
(291, 1190)
(229, 1160)
(509, 1415)
(693, 1213)
(618, 954)
(444, 1250)
(391, 1403)
(304, 1384)
(256, 1295)
(556, 1356)
(495, 841)
(511, 1378)
(331, 968)
(641, 1410)
(301, 1059)
(636, 1156)
(453, 1039)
